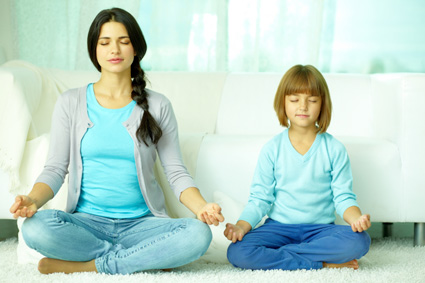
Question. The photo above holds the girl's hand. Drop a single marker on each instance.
(210, 214)
(24, 206)
(361, 224)
(234, 232)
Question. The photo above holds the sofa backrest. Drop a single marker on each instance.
(195, 97)
(247, 104)
(351, 96)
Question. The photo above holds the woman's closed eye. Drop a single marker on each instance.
(106, 43)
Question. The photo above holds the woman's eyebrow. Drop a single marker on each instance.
(121, 37)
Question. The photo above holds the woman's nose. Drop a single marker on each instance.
(115, 48)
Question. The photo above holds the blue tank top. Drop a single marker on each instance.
(109, 185)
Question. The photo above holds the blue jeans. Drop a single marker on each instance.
(119, 246)
(297, 246)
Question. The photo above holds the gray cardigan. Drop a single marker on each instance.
(70, 122)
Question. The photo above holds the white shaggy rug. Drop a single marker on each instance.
(389, 260)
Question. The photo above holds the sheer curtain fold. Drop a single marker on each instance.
(53, 33)
(235, 35)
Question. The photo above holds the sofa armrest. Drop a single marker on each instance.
(413, 147)
(20, 92)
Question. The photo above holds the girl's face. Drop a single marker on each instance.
(303, 110)
(114, 50)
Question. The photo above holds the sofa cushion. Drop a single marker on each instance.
(226, 163)
(377, 179)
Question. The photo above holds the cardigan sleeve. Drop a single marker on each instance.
(56, 166)
(168, 148)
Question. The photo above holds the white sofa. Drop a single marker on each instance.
(224, 120)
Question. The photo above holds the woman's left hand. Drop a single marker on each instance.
(210, 214)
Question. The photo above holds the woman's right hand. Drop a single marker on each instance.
(24, 206)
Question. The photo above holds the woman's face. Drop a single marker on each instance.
(114, 50)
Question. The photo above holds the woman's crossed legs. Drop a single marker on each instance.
(82, 242)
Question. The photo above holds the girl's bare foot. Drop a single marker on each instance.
(49, 265)
(351, 264)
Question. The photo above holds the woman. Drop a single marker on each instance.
(106, 135)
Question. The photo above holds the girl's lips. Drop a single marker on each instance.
(115, 61)
(302, 116)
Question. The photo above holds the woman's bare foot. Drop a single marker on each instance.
(351, 264)
(49, 265)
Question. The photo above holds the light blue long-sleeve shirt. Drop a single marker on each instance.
(300, 189)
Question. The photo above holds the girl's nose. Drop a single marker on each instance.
(303, 104)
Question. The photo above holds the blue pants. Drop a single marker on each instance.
(118, 245)
(297, 246)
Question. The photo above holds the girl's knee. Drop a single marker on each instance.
(358, 244)
(363, 243)
(239, 255)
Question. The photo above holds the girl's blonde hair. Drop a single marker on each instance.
(308, 80)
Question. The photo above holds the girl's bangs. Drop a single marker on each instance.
(302, 83)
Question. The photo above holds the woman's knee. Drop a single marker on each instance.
(200, 235)
(35, 229)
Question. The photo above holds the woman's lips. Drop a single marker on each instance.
(115, 60)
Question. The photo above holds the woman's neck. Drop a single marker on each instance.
(113, 91)
(114, 85)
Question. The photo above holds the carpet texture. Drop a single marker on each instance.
(389, 260)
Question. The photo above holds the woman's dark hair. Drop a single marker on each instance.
(148, 128)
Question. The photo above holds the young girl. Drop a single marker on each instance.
(303, 175)
(107, 135)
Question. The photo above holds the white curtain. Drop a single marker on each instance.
(53, 33)
(235, 35)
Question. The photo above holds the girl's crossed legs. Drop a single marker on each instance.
(297, 246)
(117, 246)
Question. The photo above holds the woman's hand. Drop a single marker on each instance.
(210, 214)
(235, 232)
(24, 206)
(361, 224)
